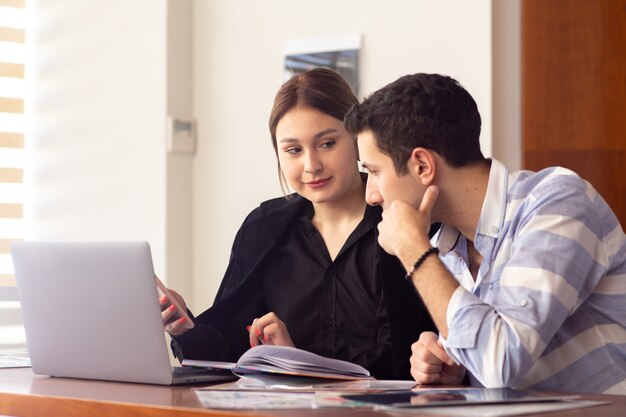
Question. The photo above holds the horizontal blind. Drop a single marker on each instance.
(12, 129)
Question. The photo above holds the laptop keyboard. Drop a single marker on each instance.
(190, 370)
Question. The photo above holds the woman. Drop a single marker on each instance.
(306, 270)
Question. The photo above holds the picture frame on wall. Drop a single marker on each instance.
(339, 53)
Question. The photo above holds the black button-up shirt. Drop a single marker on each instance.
(331, 307)
(358, 307)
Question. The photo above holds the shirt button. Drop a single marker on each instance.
(495, 229)
(523, 303)
(328, 322)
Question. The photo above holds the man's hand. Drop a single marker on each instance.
(269, 330)
(404, 228)
(430, 364)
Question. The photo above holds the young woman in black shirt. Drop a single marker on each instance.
(306, 270)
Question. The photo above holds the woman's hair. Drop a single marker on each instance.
(320, 89)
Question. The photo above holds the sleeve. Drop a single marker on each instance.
(549, 262)
(233, 275)
(220, 332)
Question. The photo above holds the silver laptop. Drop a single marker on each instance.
(91, 310)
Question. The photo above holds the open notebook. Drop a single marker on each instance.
(266, 359)
(91, 310)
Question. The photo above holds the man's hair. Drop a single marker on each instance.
(421, 110)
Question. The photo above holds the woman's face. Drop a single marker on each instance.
(317, 155)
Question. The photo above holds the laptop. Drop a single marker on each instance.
(91, 310)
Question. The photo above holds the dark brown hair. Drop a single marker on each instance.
(320, 89)
(421, 110)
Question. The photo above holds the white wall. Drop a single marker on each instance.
(107, 74)
(238, 69)
(506, 84)
(96, 159)
(179, 214)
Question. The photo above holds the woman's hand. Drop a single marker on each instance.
(172, 324)
(269, 330)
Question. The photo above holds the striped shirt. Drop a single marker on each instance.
(548, 307)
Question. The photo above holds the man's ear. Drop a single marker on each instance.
(423, 165)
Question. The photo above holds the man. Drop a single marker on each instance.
(529, 288)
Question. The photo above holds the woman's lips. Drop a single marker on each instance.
(318, 183)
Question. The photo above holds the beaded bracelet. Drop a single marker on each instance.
(420, 261)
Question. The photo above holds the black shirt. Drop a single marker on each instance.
(336, 309)
(333, 308)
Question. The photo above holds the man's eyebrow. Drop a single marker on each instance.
(288, 140)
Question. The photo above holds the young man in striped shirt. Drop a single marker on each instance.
(529, 288)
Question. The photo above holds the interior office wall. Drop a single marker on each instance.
(506, 84)
(98, 168)
(238, 69)
(179, 215)
(96, 163)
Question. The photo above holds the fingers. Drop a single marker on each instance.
(270, 330)
(171, 324)
(429, 360)
(254, 333)
(452, 375)
(425, 367)
(168, 313)
(429, 200)
(163, 301)
(177, 327)
(179, 299)
(431, 343)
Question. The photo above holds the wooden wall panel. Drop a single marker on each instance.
(574, 91)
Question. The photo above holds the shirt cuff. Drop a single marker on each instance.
(453, 304)
(465, 315)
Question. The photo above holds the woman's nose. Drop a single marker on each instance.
(312, 164)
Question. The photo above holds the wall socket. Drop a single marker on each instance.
(181, 135)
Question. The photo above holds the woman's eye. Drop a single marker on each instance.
(328, 144)
(293, 151)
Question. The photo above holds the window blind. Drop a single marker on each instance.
(12, 129)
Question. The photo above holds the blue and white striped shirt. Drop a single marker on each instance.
(548, 307)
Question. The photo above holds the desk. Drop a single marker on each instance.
(25, 394)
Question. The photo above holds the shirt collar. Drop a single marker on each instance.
(494, 205)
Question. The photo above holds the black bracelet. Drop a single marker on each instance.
(420, 261)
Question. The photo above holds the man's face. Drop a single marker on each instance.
(384, 184)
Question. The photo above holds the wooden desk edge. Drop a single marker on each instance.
(23, 405)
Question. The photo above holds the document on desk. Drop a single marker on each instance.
(9, 361)
(277, 383)
(256, 400)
